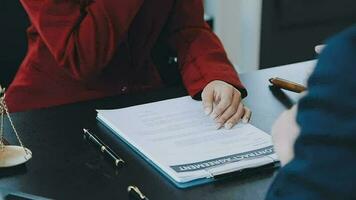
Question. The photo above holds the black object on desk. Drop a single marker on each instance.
(66, 167)
(118, 162)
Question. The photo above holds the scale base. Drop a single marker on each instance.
(11, 156)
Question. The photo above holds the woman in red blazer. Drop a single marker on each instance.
(81, 49)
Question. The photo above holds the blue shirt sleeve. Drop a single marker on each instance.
(324, 166)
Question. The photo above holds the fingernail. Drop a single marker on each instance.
(207, 111)
(213, 115)
(228, 125)
(244, 121)
(218, 126)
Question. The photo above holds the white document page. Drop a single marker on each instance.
(179, 138)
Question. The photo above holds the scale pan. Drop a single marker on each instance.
(13, 155)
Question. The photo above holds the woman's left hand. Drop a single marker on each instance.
(222, 102)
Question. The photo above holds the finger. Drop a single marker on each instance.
(236, 117)
(247, 115)
(229, 112)
(225, 102)
(208, 99)
(319, 48)
(220, 121)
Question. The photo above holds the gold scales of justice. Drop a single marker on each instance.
(10, 155)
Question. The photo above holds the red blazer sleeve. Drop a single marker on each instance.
(81, 38)
(201, 55)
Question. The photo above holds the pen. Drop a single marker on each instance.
(103, 148)
(287, 85)
(133, 190)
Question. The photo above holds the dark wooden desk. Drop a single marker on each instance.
(64, 166)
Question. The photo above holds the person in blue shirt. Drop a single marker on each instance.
(322, 164)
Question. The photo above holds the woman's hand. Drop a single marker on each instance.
(223, 103)
(319, 48)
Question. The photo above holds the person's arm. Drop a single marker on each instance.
(284, 133)
(324, 154)
(81, 35)
(201, 55)
(205, 68)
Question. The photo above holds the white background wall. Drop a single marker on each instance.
(238, 25)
